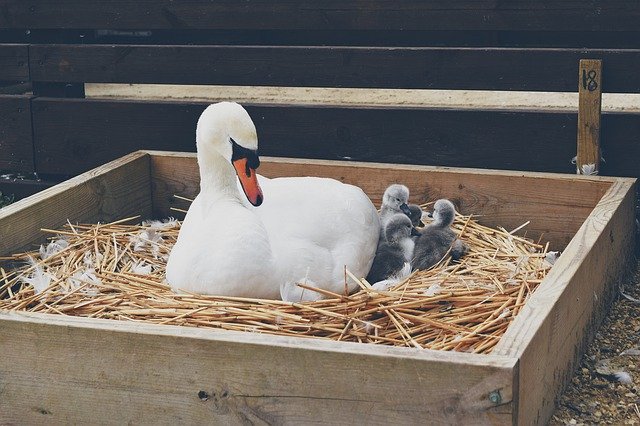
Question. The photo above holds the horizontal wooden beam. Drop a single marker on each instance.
(205, 376)
(16, 142)
(553, 15)
(381, 67)
(74, 135)
(362, 98)
(385, 37)
(14, 62)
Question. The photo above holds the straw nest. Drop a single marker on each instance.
(116, 271)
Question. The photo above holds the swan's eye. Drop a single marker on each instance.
(238, 152)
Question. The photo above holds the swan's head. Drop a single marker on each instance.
(225, 128)
(395, 198)
(398, 228)
(443, 213)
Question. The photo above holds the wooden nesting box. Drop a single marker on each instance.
(60, 369)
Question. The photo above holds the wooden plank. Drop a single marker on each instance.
(589, 107)
(511, 101)
(170, 374)
(58, 90)
(13, 88)
(362, 98)
(531, 37)
(555, 205)
(112, 191)
(347, 37)
(74, 135)
(174, 173)
(331, 66)
(93, 133)
(552, 330)
(16, 141)
(527, 15)
(14, 62)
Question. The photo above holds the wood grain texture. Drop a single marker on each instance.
(602, 15)
(589, 117)
(556, 205)
(174, 173)
(434, 99)
(113, 191)
(173, 374)
(14, 62)
(16, 141)
(72, 136)
(327, 66)
(552, 330)
(63, 370)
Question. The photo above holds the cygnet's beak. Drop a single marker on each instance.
(405, 209)
(246, 162)
(430, 214)
(415, 232)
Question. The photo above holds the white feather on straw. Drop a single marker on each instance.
(54, 247)
(39, 279)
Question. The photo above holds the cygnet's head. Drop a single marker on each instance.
(225, 128)
(415, 214)
(399, 227)
(395, 198)
(443, 213)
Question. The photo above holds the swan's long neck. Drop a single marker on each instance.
(217, 176)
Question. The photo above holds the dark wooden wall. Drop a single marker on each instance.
(50, 49)
(485, 15)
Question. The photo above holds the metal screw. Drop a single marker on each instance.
(495, 397)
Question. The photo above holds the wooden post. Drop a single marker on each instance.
(589, 105)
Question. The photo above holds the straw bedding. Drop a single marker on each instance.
(116, 271)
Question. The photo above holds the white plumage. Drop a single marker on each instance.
(306, 230)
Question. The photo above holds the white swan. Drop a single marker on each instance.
(306, 231)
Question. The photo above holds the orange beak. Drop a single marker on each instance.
(249, 181)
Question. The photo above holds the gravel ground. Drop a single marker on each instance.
(595, 396)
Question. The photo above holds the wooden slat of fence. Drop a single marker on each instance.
(75, 135)
(16, 143)
(442, 68)
(552, 15)
(14, 62)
